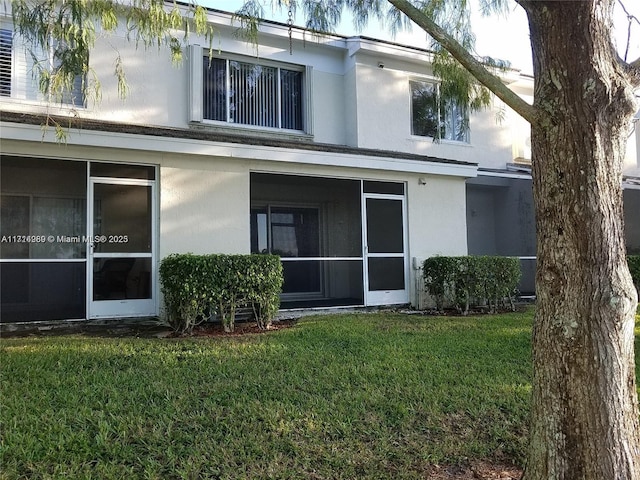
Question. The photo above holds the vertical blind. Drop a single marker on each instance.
(252, 94)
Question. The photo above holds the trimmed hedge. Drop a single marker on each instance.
(634, 267)
(471, 280)
(196, 287)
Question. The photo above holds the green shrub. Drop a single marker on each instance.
(196, 287)
(439, 275)
(471, 280)
(264, 277)
(634, 267)
(188, 296)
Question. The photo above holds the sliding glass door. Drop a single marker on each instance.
(314, 225)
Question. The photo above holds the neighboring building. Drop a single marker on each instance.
(325, 156)
(500, 210)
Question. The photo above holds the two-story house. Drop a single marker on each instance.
(338, 154)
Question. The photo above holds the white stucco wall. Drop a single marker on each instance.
(436, 216)
(329, 108)
(204, 205)
(204, 196)
(384, 114)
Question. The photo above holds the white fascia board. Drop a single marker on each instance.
(358, 44)
(332, 159)
(224, 20)
(411, 54)
(626, 184)
(520, 176)
(123, 141)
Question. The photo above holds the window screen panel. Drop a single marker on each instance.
(424, 109)
(291, 99)
(42, 291)
(215, 90)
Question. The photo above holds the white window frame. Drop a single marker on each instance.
(196, 90)
(444, 118)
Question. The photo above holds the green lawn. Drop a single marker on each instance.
(342, 396)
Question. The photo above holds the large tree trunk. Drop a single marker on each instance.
(584, 421)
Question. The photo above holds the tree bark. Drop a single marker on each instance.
(584, 422)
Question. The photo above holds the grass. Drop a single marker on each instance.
(342, 396)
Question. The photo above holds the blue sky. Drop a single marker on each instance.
(500, 37)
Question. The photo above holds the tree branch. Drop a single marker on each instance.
(634, 71)
(630, 20)
(633, 68)
(474, 66)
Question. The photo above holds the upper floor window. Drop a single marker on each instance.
(433, 116)
(19, 67)
(252, 94)
(6, 47)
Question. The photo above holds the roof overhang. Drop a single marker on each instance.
(106, 135)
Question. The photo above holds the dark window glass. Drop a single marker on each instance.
(215, 91)
(393, 188)
(259, 231)
(386, 274)
(117, 170)
(425, 111)
(43, 208)
(73, 93)
(291, 101)
(253, 94)
(432, 116)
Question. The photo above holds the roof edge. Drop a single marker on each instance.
(214, 136)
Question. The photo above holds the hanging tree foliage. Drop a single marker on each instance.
(67, 30)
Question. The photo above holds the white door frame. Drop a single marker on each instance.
(121, 307)
(385, 297)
